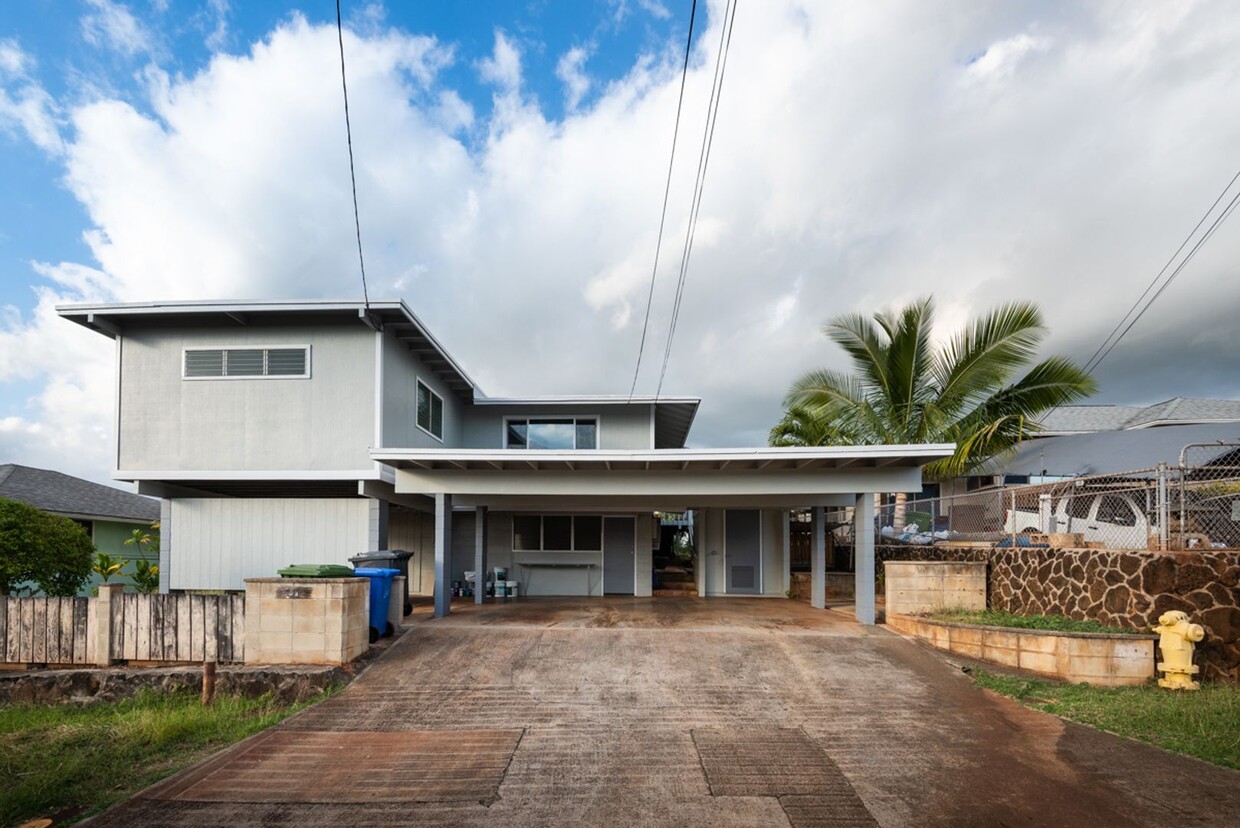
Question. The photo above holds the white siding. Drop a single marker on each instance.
(772, 554)
(401, 371)
(223, 541)
(619, 426)
(325, 422)
(414, 532)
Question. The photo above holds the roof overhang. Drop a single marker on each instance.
(772, 477)
(112, 320)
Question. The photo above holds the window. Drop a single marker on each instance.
(430, 411)
(553, 433)
(1117, 510)
(244, 363)
(557, 533)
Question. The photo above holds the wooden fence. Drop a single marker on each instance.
(47, 630)
(135, 627)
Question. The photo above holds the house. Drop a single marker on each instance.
(282, 432)
(109, 515)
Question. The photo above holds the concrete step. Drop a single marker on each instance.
(666, 591)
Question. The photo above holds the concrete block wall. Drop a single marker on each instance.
(306, 620)
(924, 586)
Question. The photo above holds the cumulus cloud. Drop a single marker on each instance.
(860, 160)
(25, 106)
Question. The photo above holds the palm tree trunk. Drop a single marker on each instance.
(901, 510)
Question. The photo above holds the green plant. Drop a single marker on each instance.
(49, 551)
(106, 565)
(145, 576)
(999, 618)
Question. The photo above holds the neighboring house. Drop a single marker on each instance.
(1179, 411)
(109, 515)
(303, 432)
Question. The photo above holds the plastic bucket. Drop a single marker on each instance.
(512, 589)
(501, 589)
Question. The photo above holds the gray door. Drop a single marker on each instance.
(742, 543)
(619, 544)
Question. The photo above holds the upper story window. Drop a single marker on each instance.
(556, 433)
(430, 411)
(247, 363)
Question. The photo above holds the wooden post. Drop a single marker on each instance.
(103, 622)
(208, 683)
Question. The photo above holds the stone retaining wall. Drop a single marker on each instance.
(1125, 588)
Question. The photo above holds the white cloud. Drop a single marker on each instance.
(111, 25)
(25, 106)
(217, 38)
(855, 165)
(1002, 58)
(570, 70)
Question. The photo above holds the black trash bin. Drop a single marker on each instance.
(397, 559)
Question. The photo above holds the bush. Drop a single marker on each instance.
(53, 552)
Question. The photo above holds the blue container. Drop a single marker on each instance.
(380, 595)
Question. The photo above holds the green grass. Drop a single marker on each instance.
(77, 761)
(1199, 723)
(996, 618)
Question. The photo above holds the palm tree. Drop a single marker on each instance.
(904, 390)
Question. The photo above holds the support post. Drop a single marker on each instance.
(1164, 512)
(103, 622)
(787, 539)
(1046, 514)
(818, 559)
(863, 549)
(443, 554)
(480, 554)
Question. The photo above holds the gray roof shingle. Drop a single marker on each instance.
(1076, 419)
(64, 494)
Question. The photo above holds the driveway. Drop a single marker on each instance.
(666, 711)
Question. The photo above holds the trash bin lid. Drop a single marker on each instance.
(316, 571)
(375, 572)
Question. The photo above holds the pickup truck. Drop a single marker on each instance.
(1118, 519)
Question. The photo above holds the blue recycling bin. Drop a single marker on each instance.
(380, 595)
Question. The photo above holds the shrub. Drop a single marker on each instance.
(50, 551)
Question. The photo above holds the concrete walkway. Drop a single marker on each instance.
(723, 712)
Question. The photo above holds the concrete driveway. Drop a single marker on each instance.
(723, 712)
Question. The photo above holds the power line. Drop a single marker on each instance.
(684, 71)
(357, 222)
(708, 140)
(1103, 349)
(1227, 211)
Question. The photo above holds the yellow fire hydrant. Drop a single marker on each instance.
(1176, 643)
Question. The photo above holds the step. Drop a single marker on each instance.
(686, 590)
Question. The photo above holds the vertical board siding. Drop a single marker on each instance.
(223, 541)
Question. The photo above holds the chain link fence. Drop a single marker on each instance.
(1193, 505)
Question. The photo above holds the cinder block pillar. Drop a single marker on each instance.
(818, 560)
(480, 554)
(443, 555)
(103, 622)
(863, 550)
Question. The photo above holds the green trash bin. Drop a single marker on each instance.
(316, 571)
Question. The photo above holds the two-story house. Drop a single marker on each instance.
(306, 432)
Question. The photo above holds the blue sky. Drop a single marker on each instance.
(512, 160)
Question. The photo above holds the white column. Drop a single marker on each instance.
(863, 554)
(443, 554)
(480, 554)
(786, 516)
(818, 559)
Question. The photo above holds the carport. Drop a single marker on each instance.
(708, 481)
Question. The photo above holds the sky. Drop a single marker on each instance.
(511, 164)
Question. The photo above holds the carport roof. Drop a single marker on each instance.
(695, 460)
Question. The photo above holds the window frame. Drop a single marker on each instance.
(572, 530)
(434, 395)
(306, 374)
(574, 418)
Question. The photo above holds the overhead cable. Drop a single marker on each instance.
(348, 130)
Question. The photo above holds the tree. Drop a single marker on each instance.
(52, 552)
(904, 390)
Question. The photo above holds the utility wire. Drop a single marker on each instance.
(348, 130)
(684, 71)
(1103, 349)
(708, 140)
(1227, 211)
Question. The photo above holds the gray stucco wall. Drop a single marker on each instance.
(619, 426)
(401, 371)
(325, 422)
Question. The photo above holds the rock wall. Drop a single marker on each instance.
(1125, 588)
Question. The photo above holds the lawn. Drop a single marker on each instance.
(1199, 723)
(71, 762)
(997, 618)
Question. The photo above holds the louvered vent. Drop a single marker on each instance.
(742, 577)
(203, 363)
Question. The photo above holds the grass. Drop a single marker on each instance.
(71, 762)
(996, 618)
(1199, 723)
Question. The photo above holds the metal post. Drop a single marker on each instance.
(1012, 516)
(1046, 515)
(480, 554)
(818, 560)
(863, 548)
(1164, 512)
(443, 554)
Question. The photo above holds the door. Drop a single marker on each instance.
(742, 547)
(619, 547)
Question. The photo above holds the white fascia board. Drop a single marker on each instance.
(587, 399)
(921, 453)
(283, 474)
